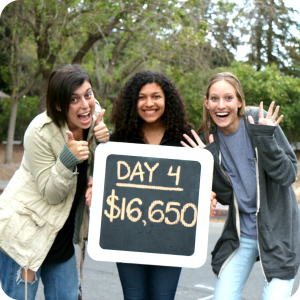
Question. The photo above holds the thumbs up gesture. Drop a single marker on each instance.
(100, 129)
(79, 148)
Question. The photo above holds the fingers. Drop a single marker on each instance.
(191, 142)
(99, 118)
(79, 149)
(101, 132)
(184, 144)
(70, 136)
(213, 203)
(88, 196)
(270, 110)
(270, 119)
(279, 120)
(198, 140)
(261, 110)
(251, 121)
(211, 138)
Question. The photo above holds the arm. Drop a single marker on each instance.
(53, 178)
(274, 152)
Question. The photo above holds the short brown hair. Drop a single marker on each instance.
(207, 122)
(62, 83)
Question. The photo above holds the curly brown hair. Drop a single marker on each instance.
(124, 114)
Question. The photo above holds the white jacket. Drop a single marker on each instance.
(38, 199)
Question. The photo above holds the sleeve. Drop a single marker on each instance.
(54, 180)
(275, 154)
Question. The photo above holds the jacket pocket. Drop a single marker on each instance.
(275, 254)
(23, 226)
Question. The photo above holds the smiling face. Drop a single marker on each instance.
(151, 103)
(223, 104)
(81, 108)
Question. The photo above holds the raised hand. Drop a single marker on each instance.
(270, 119)
(79, 148)
(88, 193)
(200, 145)
(100, 129)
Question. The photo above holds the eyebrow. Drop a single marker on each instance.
(84, 92)
(152, 93)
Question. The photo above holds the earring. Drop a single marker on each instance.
(59, 109)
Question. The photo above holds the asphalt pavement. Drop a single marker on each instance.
(101, 280)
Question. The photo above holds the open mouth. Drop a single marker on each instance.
(222, 116)
(85, 118)
(150, 112)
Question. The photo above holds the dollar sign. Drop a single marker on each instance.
(111, 201)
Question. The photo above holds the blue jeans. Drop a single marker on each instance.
(60, 280)
(235, 274)
(145, 282)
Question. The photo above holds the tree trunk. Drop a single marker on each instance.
(11, 130)
(41, 107)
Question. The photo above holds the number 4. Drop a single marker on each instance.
(177, 174)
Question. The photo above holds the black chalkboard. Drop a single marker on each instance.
(150, 205)
(133, 221)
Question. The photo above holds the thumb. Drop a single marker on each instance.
(99, 119)
(251, 121)
(211, 138)
(70, 136)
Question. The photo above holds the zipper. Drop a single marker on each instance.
(237, 218)
(257, 211)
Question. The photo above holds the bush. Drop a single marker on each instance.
(27, 108)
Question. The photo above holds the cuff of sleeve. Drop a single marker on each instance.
(68, 159)
(263, 130)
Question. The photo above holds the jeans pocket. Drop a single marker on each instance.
(23, 226)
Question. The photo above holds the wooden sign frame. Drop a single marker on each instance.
(202, 156)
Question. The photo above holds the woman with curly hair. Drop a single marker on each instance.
(149, 110)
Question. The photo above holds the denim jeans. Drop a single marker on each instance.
(60, 280)
(235, 274)
(145, 282)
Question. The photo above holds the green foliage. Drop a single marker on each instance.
(26, 112)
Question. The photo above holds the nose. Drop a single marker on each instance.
(84, 103)
(221, 104)
(149, 102)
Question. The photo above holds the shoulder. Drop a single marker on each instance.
(41, 126)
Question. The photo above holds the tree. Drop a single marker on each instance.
(271, 40)
(19, 72)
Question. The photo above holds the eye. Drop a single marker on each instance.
(73, 100)
(88, 95)
(214, 98)
(229, 97)
(141, 97)
(156, 96)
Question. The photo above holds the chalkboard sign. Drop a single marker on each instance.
(150, 204)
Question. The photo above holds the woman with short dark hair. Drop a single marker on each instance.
(43, 209)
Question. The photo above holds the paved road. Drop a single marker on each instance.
(101, 279)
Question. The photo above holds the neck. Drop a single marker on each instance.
(153, 132)
(77, 134)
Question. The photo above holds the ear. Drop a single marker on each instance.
(240, 103)
(57, 107)
(206, 103)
